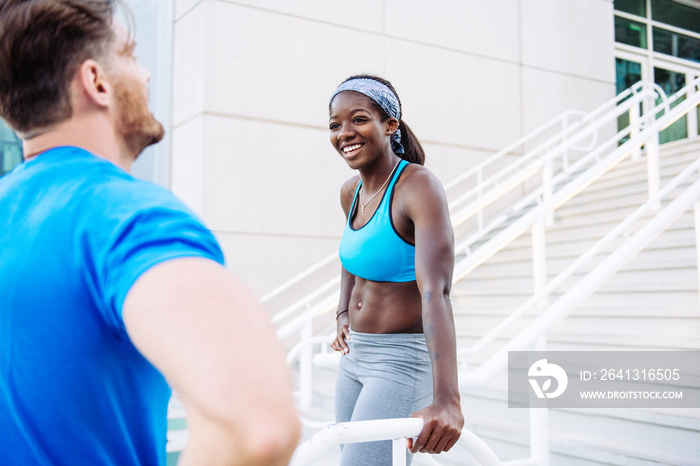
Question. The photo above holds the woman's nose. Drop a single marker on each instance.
(345, 132)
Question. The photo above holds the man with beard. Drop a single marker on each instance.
(110, 286)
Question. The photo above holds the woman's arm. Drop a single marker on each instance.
(347, 283)
(347, 280)
(426, 207)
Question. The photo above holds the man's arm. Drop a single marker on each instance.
(213, 342)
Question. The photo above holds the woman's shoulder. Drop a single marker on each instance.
(420, 190)
(419, 178)
(350, 184)
(347, 192)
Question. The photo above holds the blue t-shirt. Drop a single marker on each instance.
(76, 232)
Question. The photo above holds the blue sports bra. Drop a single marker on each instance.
(376, 252)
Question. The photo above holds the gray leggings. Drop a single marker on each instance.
(384, 376)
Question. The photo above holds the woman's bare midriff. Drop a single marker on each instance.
(385, 307)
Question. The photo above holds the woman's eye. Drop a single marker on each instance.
(359, 120)
(333, 126)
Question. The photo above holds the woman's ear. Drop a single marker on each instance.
(94, 83)
(392, 124)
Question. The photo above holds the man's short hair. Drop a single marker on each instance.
(42, 45)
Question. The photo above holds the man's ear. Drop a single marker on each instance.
(94, 83)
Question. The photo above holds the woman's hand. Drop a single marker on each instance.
(343, 333)
(442, 427)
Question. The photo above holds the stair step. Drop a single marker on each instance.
(627, 311)
(669, 161)
(571, 341)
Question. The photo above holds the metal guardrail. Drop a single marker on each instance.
(644, 136)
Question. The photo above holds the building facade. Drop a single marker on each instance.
(243, 88)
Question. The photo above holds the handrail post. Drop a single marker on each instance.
(634, 129)
(565, 152)
(539, 418)
(539, 436)
(697, 240)
(305, 366)
(479, 192)
(539, 260)
(692, 124)
(653, 170)
(398, 450)
(548, 188)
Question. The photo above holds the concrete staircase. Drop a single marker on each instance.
(652, 303)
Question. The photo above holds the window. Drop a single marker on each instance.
(676, 45)
(675, 26)
(10, 149)
(675, 13)
(630, 32)
(659, 41)
(671, 82)
(627, 73)
(633, 7)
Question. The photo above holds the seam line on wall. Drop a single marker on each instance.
(382, 34)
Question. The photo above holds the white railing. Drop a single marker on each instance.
(396, 430)
(689, 98)
(588, 284)
(555, 151)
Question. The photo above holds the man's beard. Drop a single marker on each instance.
(135, 123)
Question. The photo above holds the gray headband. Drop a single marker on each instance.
(384, 97)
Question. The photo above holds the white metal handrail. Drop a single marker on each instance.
(303, 302)
(567, 129)
(583, 260)
(296, 279)
(543, 155)
(586, 286)
(296, 324)
(643, 135)
(396, 430)
(641, 138)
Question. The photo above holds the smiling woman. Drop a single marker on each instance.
(395, 326)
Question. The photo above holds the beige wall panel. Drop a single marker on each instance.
(366, 15)
(269, 178)
(265, 262)
(547, 95)
(573, 36)
(187, 167)
(486, 28)
(264, 65)
(189, 66)
(252, 80)
(455, 98)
